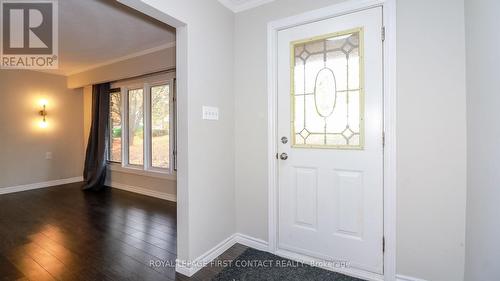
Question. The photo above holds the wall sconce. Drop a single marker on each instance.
(43, 113)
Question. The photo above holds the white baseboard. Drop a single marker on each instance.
(38, 185)
(407, 278)
(190, 268)
(252, 242)
(143, 191)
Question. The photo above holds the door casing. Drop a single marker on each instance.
(389, 96)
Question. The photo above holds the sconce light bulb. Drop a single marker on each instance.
(43, 113)
(43, 124)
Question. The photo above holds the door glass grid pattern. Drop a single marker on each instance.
(327, 91)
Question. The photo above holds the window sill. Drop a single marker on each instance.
(140, 172)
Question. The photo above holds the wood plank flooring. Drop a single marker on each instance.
(62, 233)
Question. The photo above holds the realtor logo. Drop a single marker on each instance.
(29, 34)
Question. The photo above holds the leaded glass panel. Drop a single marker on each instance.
(327, 91)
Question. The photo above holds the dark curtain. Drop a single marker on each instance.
(94, 173)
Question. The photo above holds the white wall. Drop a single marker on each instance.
(24, 144)
(206, 180)
(431, 131)
(483, 103)
(431, 139)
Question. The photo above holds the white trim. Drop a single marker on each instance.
(407, 278)
(19, 188)
(183, 110)
(389, 19)
(142, 191)
(390, 151)
(252, 242)
(335, 10)
(272, 104)
(144, 173)
(189, 268)
(243, 6)
(147, 134)
(124, 58)
(183, 269)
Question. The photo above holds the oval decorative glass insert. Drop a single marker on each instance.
(325, 92)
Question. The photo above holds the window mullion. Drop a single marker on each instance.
(110, 132)
(173, 127)
(125, 120)
(147, 128)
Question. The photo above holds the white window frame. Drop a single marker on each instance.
(147, 169)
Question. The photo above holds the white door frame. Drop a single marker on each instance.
(182, 95)
(389, 96)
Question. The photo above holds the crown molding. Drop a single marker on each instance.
(247, 5)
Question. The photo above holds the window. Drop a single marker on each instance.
(327, 91)
(136, 127)
(160, 125)
(141, 122)
(115, 115)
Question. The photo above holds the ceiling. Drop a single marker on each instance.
(242, 5)
(94, 32)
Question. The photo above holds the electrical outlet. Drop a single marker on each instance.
(210, 113)
(48, 155)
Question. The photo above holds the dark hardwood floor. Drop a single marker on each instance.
(62, 233)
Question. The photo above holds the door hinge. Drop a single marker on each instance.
(383, 139)
(383, 33)
(174, 96)
(174, 154)
(383, 244)
(277, 157)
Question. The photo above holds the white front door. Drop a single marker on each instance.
(330, 129)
